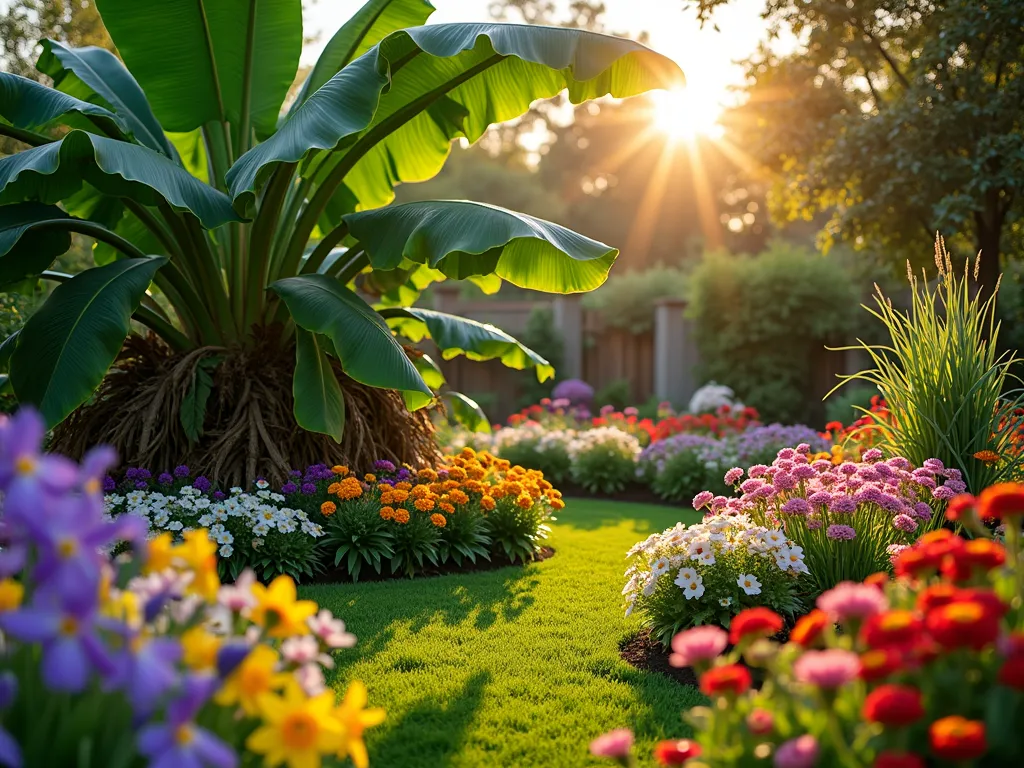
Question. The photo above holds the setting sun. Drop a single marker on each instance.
(685, 114)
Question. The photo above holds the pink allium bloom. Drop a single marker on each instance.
(952, 474)
(872, 454)
(848, 600)
(827, 669)
(925, 481)
(935, 465)
(751, 485)
(894, 550)
(868, 475)
(697, 644)
(841, 532)
(804, 472)
(784, 481)
(785, 465)
(757, 470)
(797, 506)
(848, 468)
(923, 511)
(898, 462)
(820, 497)
(733, 476)
(843, 504)
(943, 493)
(786, 453)
(702, 499)
(956, 486)
(801, 752)
(905, 523)
(822, 465)
(803, 448)
(719, 502)
(869, 494)
(330, 630)
(238, 596)
(614, 744)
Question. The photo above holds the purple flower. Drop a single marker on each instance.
(934, 465)
(843, 504)
(757, 470)
(179, 741)
(383, 465)
(841, 532)
(904, 523)
(146, 671)
(786, 454)
(956, 486)
(10, 752)
(872, 454)
(403, 474)
(166, 478)
(784, 481)
(820, 497)
(821, 466)
(219, 495)
(294, 473)
(577, 392)
(797, 506)
(289, 488)
(803, 448)
(804, 472)
(182, 471)
(923, 511)
(109, 484)
(25, 475)
(309, 488)
(141, 485)
(202, 484)
(943, 493)
(702, 499)
(801, 752)
(848, 468)
(733, 475)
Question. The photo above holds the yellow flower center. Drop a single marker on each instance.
(67, 548)
(25, 465)
(68, 626)
(253, 680)
(184, 735)
(896, 620)
(964, 613)
(92, 486)
(299, 731)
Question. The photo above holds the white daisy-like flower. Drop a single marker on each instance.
(687, 574)
(749, 584)
(706, 558)
(693, 590)
(660, 565)
(226, 550)
(261, 529)
(725, 602)
(262, 484)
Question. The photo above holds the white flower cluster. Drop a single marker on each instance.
(257, 513)
(508, 437)
(711, 397)
(607, 438)
(685, 554)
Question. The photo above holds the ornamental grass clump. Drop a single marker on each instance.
(923, 670)
(949, 393)
(707, 573)
(850, 519)
(147, 659)
(604, 459)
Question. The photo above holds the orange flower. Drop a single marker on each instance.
(891, 629)
(427, 474)
(457, 473)
(387, 497)
(370, 477)
(444, 506)
(963, 624)
(351, 488)
(387, 513)
(524, 501)
(810, 628)
(423, 505)
(401, 516)
(438, 520)
(958, 505)
(556, 504)
(339, 469)
(987, 457)
(403, 486)
(487, 502)
(333, 488)
(328, 508)
(399, 495)
(467, 453)
(879, 663)
(958, 739)
(1001, 500)
(458, 497)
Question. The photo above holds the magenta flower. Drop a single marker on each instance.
(757, 470)
(841, 532)
(784, 481)
(614, 744)
(733, 476)
(801, 752)
(797, 506)
(943, 493)
(904, 523)
(804, 472)
(848, 601)
(696, 645)
(827, 669)
(843, 504)
(702, 499)
(872, 454)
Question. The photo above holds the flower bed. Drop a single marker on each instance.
(148, 659)
(394, 521)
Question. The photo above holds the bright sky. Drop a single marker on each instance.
(706, 56)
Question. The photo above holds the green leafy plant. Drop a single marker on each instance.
(415, 543)
(604, 459)
(464, 536)
(682, 476)
(951, 395)
(517, 532)
(627, 300)
(222, 222)
(357, 536)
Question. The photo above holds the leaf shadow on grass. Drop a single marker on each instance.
(590, 515)
(434, 728)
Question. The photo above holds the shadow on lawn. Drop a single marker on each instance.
(434, 730)
(592, 514)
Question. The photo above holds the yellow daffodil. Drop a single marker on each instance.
(297, 730)
(278, 611)
(199, 554)
(254, 677)
(158, 553)
(355, 719)
(199, 649)
(11, 594)
(122, 606)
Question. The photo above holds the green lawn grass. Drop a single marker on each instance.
(513, 667)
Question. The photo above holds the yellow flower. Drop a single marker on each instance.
(122, 606)
(254, 677)
(200, 556)
(11, 594)
(355, 719)
(278, 611)
(199, 649)
(158, 553)
(297, 730)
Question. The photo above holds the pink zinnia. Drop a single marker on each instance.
(702, 499)
(827, 669)
(801, 752)
(614, 744)
(733, 475)
(841, 532)
(697, 644)
(852, 601)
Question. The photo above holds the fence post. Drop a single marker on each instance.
(446, 298)
(568, 319)
(675, 354)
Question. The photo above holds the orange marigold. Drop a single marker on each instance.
(339, 469)
(401, 516)
(444, 506)
(387, 513)
(333, 488)
(513, 488)
(474, 486)
(370, 477)
(525, 501)
(556, 504)
(457, 473)
(423, 505)
(403, 486)
(420, 492)
(458, 497)
(439, 521)
(400, 495)
(467, 453)
(487, 502)
(427, 474)
(328, 508)
(476, 472)
(350, 488)
(452, 484)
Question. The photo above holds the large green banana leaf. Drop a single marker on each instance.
(319, 403)
(65, 349)
(467, 412)
(25, 103)
(196, 58)
(456, 336)
(462, 239)
(397, 107)
(364, 344)
(91, 71)
(368, 26)
(53, 172)
(27, 244)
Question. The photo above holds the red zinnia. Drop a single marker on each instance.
(754, 622)
(936, 596)
(892, 628)
(675, 752)
(809, 628)
(984, 597)
(1001, 500)
(956, 738)
(983, 553)
(898, 760)
(1011, 674)
(879, 663)
(893, 705)
(963, 624)
(733, 679)
(879, 579)
(913, 562)
(958, 505)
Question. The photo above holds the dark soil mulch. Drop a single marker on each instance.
(336, 575)
(644, 652)
(634, 492)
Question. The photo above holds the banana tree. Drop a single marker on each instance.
(236, 226)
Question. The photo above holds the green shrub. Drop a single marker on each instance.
(760, 321)
(683, 476)
(415, 543)
(604, 459)
(615, 393)
(627, 300)
(515, 531)
(357, 536)
(465, 536)
(844, 405)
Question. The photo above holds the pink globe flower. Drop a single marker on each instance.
(848, 601)
(697, 644)
(801, 752)
(827, 669)
(614, 744)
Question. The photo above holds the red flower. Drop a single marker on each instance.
(936, 596)
(898, 760)
(963, 624)
(675, 752)
(809, 628)
(1001, 500)
(958, 505)
(956, 738)
(754, 622)
(983, 553)
(1011, 674)
(893, 705)
(733, 679)
(879, 579)
(892, 628)
(879, 663)
(760, 722)
(986, 597)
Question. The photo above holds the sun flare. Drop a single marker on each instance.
(685, 114)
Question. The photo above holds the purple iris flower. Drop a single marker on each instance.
(201, 483)
(404, 474)
(146, 671)
(10, 752)
(27, 476)
(289, 487)
(182, 471)
(72, 649)
(179, 742)
(294, 473)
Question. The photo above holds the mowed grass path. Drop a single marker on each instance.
(513, 667)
